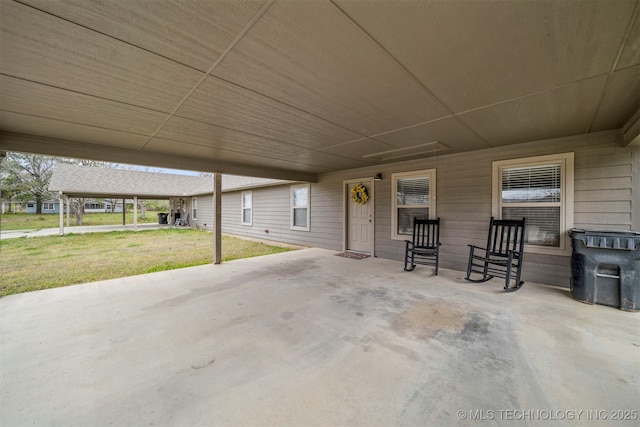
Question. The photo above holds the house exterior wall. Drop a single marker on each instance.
(272, 211)
(31, 208)
(204, 219)
(604, 193)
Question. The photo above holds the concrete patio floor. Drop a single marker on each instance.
(307, 338)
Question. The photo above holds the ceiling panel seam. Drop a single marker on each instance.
(623, 44)
(406, 70)
(73, 123)
(528, 95)
(83, 93)
(93, 30)
(264, 137)
(228, 49)
(287, 105)
(230, 150)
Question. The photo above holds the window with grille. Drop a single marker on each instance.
(541, 190)
(413, 196)
(93, 205)
(300, 207)
(247, 207)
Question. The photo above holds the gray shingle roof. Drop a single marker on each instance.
(75, 180)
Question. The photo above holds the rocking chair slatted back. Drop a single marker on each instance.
(502, 256)
(426, 232)
(504, 236)
(425, 247)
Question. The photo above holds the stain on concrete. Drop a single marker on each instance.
(286, 315)
(399, 349)
(338, 298)
(204, 365)
(365, 342)
(289, 269)
(417, 296)
(423, 320)
(474, 328)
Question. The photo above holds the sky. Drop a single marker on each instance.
(172, 171)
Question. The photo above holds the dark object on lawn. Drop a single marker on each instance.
(162, 218)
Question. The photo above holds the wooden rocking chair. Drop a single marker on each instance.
(503, 255)
(425, 247)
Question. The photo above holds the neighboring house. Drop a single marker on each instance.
(90, 206)
(183, 191)
(587, 181)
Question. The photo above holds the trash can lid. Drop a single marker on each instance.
(607, 239)
(621, 233)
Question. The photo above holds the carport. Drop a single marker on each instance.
(70, 181)
(309, 338)
(303, 91)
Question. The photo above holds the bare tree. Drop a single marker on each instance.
(142, 204)
(26, 177)
(77, 206)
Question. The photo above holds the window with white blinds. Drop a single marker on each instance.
(412, 197)
(300, 207)
(537, 189)
(194, 208)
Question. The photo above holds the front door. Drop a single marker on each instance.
(360, 220)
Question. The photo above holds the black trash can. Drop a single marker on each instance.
(605, 268)
(162, 218)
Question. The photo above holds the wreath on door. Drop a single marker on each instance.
(359, 194)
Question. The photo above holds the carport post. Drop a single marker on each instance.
(68, 200)
(135, 213)
(217, 218)
(61, 208)
(124, 209)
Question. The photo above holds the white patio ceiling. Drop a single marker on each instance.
(291, 89)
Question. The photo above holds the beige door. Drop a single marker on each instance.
(360, 221)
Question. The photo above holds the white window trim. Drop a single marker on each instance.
(194, 207)
(566, 196)
(250, 193)
(431, 173)
(308, 227)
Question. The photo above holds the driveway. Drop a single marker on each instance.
(76, 229)
(306, 338)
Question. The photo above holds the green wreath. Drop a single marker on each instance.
(359, 194)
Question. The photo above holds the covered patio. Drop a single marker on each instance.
(309, 338)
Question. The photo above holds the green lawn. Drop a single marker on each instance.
(30, 264)
(22, 221)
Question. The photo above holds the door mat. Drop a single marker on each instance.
(352, 255)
